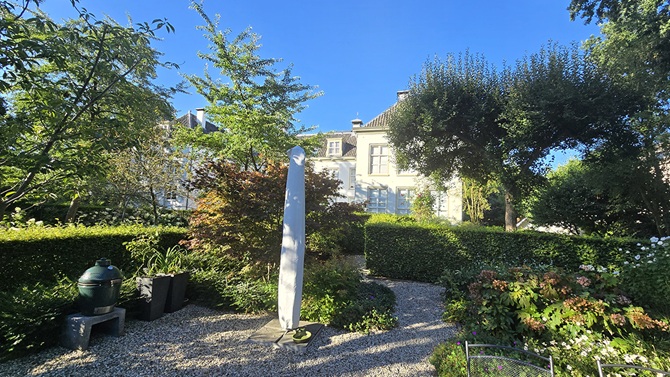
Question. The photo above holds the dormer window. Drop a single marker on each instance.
(335, 147)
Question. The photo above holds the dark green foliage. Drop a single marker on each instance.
(96, 215)
(449, 360)
(214, 274)
(644, 275)
(576, 316)
(31, 316)
(38, 272)
(43, 254)
(333, 294)
(424, 252)
(596, 198)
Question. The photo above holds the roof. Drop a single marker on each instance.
(348, 144)
(191, 121)
(382, 120)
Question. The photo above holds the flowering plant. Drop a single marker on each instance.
(645, 274)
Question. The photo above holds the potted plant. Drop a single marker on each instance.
(170, 264)
(156, 272)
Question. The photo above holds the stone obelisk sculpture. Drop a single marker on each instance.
(293, 242)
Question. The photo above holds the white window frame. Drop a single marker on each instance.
(404, 197)
(377, 203)
(379, 159)
(334, 148)
(440, 202)
(352, 178)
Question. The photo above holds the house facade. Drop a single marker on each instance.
(176, 196)
(364, 161)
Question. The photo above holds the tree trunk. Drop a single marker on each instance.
(154, 205)
(3, 208)
(74, 206)
(510, 212)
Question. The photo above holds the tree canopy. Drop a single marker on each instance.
(634, 49)
(255, 107)
(85, 88)
(464, 117)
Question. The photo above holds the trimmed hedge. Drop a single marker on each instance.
(43, 255)
(423, 252)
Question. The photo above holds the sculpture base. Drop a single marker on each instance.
(273, 334)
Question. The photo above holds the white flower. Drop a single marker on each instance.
(626, 262)
(637, 257)
(639, 244)
(615, 273)
(660, 243)
(643, 248)
(570, 366)
(653, 239)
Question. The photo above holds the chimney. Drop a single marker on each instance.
(356, 123)
(402, 94)
(200, 115)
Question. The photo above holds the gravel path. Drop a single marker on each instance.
(197, 341)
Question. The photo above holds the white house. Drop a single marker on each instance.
(363, 160)
(176, 196)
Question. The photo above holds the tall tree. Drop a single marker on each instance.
(475, 198)
(634, 48)
(148, 172)
(88, 89)
(255, 109)
(463, 116)
(593, 199)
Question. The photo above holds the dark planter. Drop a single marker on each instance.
(153, 292)
(177, 292)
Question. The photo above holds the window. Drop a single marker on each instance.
(171, 193)
(332, 172)
(377, 198)
(440, 206)
(352, 178)
(379, 159)
(404, 198)
(334, 148)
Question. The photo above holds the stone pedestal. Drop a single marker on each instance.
(77, 332)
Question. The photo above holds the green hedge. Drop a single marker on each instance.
(44, 255)
(424, 252)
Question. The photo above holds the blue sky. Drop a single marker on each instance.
(359, 53)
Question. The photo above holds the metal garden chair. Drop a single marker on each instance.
(495, 360)
(629, 370)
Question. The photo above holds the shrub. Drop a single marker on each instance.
(34, 255)
(244, 210)
(54, 214)
(334, 294)
(449, 360)
(422, 252)
(31, 316)
(575, 317)
(645, 274)
(214, 276)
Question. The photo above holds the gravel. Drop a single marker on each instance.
(197, 341)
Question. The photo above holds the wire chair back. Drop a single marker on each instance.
(496, 360)
(629, 370)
